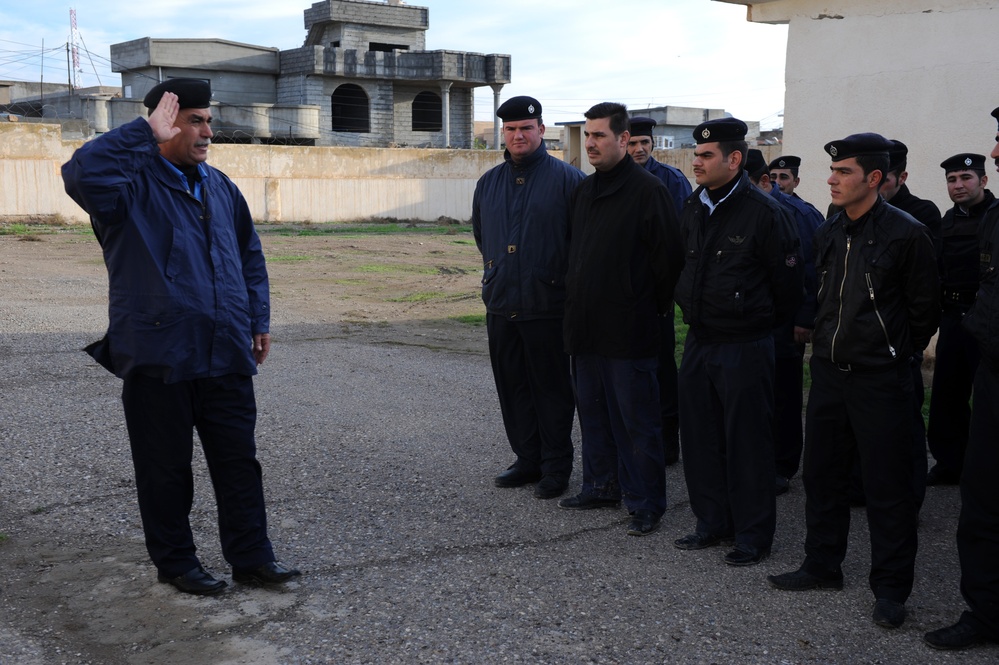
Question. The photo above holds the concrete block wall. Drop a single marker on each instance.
(369, 13)
(359, 36)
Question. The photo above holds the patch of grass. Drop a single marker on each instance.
(288, 258)
(420, 296)
(3, 537)
(475, 320)
(374, 226)
(397, 268)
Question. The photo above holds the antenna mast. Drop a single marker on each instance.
(75, 39)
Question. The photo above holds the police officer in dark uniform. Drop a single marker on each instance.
(520, 221)
(878, 304)
(978, 525)
(742, 278)
(791, 337)
(956, 358)
(640, 147)
(784, 173)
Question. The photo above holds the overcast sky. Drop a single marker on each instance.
(568, 53)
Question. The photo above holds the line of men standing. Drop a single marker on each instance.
(621, 246)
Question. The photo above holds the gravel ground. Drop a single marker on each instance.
(379, 436)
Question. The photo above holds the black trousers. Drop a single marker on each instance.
(788, 385)
(161, 419)
(667, 376)
(870, 413)
(726, 434)
(531, 371)
(953, 377)
(978, 526)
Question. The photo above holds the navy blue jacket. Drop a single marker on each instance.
(676, 183)
(807, 218)
(520, 220)
(187, 283)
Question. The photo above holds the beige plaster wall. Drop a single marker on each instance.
(917, 71)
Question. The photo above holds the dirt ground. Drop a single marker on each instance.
(65, 602)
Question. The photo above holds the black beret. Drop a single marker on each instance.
(785, 162)
(191, 93)
(755, 163)
(854, 145)
(719, 130)
(995, 114)
(641, 126)
(897, 155)
(519, 108)
(966, 161)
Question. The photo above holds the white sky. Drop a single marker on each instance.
(570, 54)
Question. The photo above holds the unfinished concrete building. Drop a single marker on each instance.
(362, 78)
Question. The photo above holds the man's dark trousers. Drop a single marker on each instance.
(953, 376)
(618, 404)
(978, 526)
(866, 411)
(531, 371)
(726, 433)
(161, 419)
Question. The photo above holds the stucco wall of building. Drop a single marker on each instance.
(917, 71)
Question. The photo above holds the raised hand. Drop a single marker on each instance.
(162, 119)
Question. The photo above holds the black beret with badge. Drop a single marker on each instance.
(641, 126)
(965, 161)
(519, 108)
(785, 162)
(191, 93)
(855, 145)
(720, 130)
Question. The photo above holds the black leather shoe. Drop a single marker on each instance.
(197, 581)
(269, 573)
(801, 580)
(588, 502)
(940, 476)
(959, 636)
(516, 477)
(888, 613)
(643, 523)
(746, 555)
(550, 487)
(697, 541)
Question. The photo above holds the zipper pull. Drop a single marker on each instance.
(718, 256)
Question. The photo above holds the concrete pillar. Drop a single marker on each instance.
(496, 123)
(446, 108)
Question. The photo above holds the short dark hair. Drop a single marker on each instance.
(728, 147)
(618, 114)
(899, 167)
(875, 162)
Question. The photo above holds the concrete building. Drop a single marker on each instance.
(919, 71)
(362, 78)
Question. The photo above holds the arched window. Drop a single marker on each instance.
(350, 109)
(427, 113)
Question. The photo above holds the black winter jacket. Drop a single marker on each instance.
(743, 273)
(879, 297)
(982, 320)
(623, 261)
